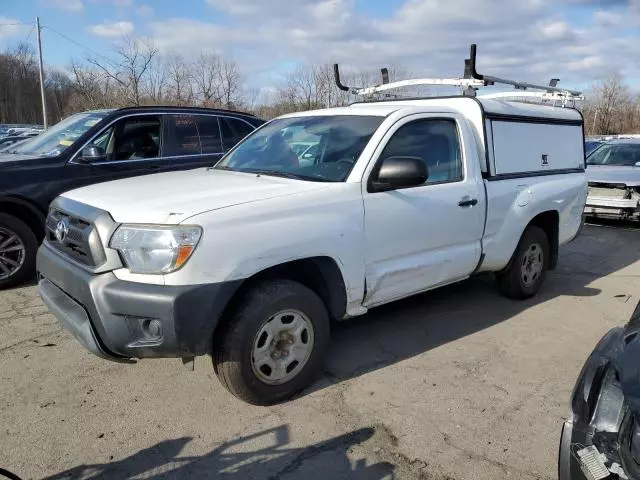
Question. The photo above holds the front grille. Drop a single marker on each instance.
(81, 241)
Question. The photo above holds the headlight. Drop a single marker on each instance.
(155, 249)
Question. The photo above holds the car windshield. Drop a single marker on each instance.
(591, 145)
(316, 148)
(621, 154)
(58, 138)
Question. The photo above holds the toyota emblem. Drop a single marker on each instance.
(62, 230)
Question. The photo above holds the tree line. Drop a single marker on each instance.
(135, 73)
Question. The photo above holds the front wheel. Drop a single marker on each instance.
(528, 267)
(274, 345)
(18, 247)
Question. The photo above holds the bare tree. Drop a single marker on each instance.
(155, 86)
(230, 82)
(205, 72)
(604, 110)
(133, 59)
(179, 85)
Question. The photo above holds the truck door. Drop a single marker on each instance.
(421, 237)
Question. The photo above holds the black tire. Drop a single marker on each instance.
(232, 353)
(511, 281)
(28, 268)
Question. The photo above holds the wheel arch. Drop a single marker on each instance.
(26, 211)
(549, 222)
(320, 274)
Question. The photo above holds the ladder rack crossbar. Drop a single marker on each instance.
(471, 81)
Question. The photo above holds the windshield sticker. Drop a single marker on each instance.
(66, 143)
(91, 123)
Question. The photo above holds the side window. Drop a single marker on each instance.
(435, 141)
(132, 139)
(185, 139)
(233, 130)
(209, 131)
(102, 141)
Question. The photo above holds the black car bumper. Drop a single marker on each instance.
(588, 397)
(120, 320)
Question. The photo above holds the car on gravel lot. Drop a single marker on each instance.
(601, 438)
(249, 260)
(613, 172)
(97, 146)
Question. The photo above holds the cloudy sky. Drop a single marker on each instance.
(576, 40)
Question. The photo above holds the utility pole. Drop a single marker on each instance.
(44, 99)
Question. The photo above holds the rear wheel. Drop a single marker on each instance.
(528, 267)
(18, 247)
(274, 345)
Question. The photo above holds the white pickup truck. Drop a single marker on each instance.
(250, 260)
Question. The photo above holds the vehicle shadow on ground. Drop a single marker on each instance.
(401, 330)
(244, 458)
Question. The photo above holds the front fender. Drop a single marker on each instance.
(243, 240)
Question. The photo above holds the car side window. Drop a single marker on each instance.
(185, 138)
(435, 141)
(233, 130)
(209, 131)
(131, 138)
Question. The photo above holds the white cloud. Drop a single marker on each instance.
(11, 28)
(526, 40)
(115, 3)
(608, 19)
(68, 5)
(556, 29)
(112, 29)
(144, 11)
(587, 63)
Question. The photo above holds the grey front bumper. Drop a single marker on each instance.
(119, 320)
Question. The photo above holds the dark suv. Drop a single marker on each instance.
(98, 146)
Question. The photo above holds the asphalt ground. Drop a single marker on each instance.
(458, 383)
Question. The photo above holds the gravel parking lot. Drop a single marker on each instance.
(459, 383)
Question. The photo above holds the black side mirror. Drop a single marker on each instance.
(399, 172)
(92, 154)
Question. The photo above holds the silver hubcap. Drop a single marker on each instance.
(532, 264)
(282, 347)
(12, 253)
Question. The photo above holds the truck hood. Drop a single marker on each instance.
(173, 197)
(630, 176)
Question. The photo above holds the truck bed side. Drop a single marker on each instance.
(514, 203)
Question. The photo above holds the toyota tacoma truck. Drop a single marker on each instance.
(249, 261)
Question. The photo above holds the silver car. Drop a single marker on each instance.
(613, 172)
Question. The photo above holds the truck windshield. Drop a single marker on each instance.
(316, 148)
(620, 154)
(58, 138)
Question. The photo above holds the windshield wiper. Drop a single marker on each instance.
(277, 173)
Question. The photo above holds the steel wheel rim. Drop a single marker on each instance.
(282, 347)
(532, 264)
(12, 253)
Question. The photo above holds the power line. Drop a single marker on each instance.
(106, 59)
(14, 24)
(30, 33)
